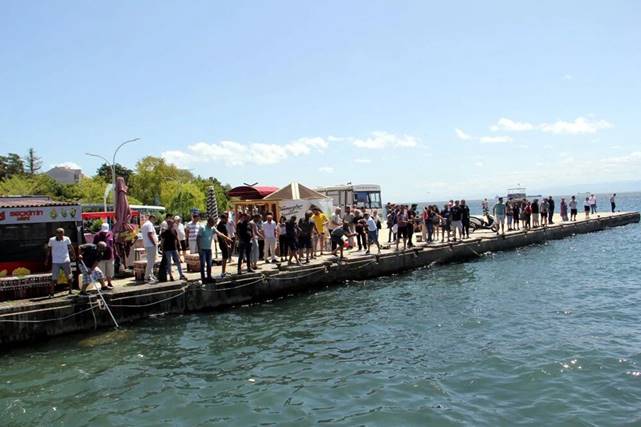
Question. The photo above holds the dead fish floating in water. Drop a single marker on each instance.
(108, 337)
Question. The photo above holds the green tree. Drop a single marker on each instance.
(91, 190)
(151, 175)
(105, 172)
(33, 163)
(180, 197)
(26, 185)
(11, 165)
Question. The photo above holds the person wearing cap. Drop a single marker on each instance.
(60, 252)
(182, 236)
(192, 233)
(106, 261)
(150, 242)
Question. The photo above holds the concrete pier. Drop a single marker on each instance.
(27, 321)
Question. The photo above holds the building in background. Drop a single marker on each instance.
(65, 174)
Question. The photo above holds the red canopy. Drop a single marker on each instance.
(247, 192)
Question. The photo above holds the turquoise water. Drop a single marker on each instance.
(545, 335)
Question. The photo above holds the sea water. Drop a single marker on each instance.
(547, 334)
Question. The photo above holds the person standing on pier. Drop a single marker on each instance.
(587, 207)
(550, 210)
(499, 214)
(613, 203)
(372, 233)
(444, 218)
(255, 245)
(527, 215)
(543, 209)
(60, 252)
(516, 214)
(349, 218)
(150, 242)
(170, 246)
(535, 213)
(401, 224)
(182, 235)
(456, 217)
(509, 214)
(425, 217)
(282, 238)
(485, 207)
(465, 219)
(564, 209)
(192, 232)
(225, 242)
(337, 219)
(231, 233)
(270, 232)
(391, 222)
(592, 201)
(293, 232)
(243, 231)
(106, 263)
(321, 221)
(307, 227)
(573, 208)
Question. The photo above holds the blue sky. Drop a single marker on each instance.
(428, 99)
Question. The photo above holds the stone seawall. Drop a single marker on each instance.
(28, 321)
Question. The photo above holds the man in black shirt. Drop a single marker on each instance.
(244, 242)
(456, 216)
(550, 210)
(465, 218)
(409, 230)
(224, 242)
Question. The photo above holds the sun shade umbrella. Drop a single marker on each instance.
(123, 230)
(212, 204)
(212, 211)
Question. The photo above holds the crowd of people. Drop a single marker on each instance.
(256, 237)
(295, 240)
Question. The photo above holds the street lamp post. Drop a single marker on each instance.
(113, 167)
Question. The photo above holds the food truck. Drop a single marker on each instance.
(26, 224)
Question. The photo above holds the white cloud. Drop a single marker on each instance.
(580, 125)
(462, 135)
(509, 125)
(482, 139)
(494, 139)
(380, 140)
(232, 153)
(326, 169)
(568, 77)
(479, 164)
(362, 161)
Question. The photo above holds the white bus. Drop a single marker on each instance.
(364, 196)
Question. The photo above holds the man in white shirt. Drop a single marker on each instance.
(372, 232)
(592, 202)
(231, 233)
(269, 231)
(182, 236)
(192, 233)
(613, 202)
(150, 241)
(60, 252)
(337, 219)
